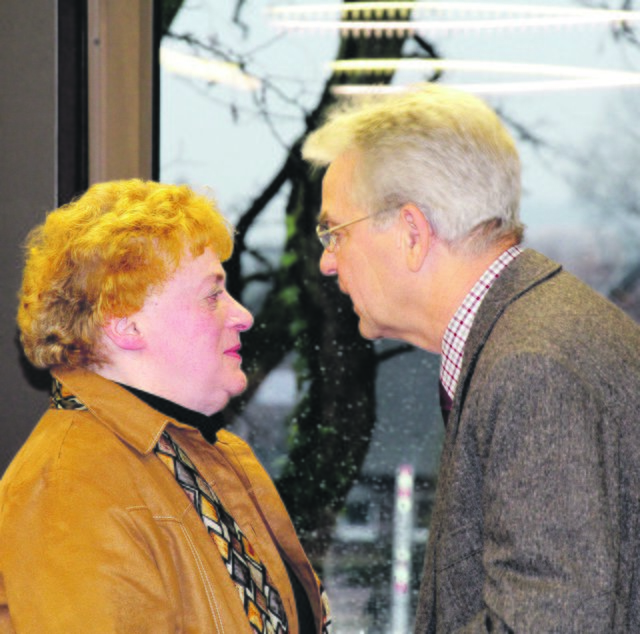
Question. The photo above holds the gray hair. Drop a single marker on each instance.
(441, 149)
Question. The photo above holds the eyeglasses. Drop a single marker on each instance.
(328, 239)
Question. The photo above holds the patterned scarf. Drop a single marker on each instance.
(260, 599)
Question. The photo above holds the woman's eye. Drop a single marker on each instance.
(214, 296)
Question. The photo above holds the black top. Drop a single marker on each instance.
(208, 425)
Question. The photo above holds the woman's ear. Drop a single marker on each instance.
(124, 333)
(417, 236)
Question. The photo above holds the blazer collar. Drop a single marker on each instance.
(528, 270)
(135, 422)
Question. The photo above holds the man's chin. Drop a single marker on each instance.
(367, 331)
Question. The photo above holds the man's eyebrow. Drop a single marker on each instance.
(323, 218)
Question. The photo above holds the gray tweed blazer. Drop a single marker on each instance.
(536, 521)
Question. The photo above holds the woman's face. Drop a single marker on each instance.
(191, 335)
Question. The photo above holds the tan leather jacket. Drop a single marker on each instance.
(97, 536)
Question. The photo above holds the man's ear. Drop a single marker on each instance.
(124, 333)
(417, 236)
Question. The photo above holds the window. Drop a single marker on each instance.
(331, 415)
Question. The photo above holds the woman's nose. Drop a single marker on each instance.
(242, 319)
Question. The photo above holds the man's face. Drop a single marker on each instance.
(191, 328)
(363, 257)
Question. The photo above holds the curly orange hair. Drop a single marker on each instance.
(100, 256)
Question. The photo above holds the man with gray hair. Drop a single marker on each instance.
(536, 519)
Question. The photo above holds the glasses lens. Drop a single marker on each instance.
(322, 231)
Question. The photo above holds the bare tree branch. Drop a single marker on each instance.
(236, 17)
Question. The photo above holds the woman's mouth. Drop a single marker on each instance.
(234, 352)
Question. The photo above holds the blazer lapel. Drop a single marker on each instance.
(528, 270)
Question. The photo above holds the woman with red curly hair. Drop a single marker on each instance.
(128, 509)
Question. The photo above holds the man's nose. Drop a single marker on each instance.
(328, 263)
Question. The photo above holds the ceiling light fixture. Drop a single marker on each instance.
(209, 70)
(401, 18)
(556, 78)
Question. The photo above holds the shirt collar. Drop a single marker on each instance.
(457, 332)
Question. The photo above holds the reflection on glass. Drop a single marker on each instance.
(331, 415)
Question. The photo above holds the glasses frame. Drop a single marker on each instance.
(327, 237)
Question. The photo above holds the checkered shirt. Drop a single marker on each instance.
(459, 327)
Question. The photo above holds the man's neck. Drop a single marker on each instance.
(453, 274)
